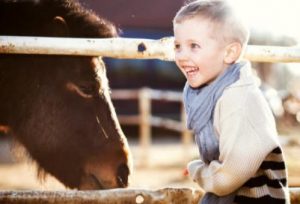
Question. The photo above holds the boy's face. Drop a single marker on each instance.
(198, 54)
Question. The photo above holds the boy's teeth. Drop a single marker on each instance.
(191, 71)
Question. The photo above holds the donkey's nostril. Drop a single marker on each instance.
(122, 175)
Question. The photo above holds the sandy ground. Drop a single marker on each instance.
(162, 168)
(166, 161)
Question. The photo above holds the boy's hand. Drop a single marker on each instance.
(193, 167)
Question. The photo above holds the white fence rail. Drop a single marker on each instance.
(128, 48)
(115, 196)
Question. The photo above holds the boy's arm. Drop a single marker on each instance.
(246, 137)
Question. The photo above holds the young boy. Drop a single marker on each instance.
(241, 158)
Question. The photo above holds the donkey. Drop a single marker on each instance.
(59, 107)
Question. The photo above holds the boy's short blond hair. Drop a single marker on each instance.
(219, 12)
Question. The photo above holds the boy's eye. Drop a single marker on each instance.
(176, 46)
(195, 45)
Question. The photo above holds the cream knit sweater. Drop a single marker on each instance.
(246, 132)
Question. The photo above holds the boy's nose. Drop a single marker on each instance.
(181, 55)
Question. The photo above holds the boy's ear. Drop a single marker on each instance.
(232, 52)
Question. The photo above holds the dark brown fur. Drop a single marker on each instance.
(59, 107)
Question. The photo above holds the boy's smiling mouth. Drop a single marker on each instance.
(190, 70)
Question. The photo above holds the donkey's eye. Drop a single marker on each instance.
(88, 89)
(91, 88)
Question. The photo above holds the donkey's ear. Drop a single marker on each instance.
(59, 27)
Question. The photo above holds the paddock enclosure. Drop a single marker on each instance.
(138, 49)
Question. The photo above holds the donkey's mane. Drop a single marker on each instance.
(26, 16)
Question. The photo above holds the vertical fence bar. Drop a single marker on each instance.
(145, 124)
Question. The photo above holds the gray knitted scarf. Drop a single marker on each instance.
(199, 105)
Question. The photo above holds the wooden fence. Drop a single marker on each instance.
(146, 120)
(137, 49)
(115, 196)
